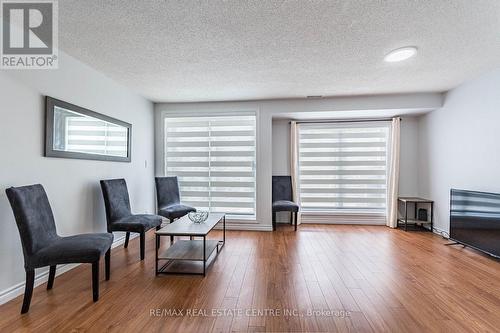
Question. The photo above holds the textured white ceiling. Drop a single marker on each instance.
(175, 51)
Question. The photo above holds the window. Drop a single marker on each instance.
(343, 167)
(214, 158)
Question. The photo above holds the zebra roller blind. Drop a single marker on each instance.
(214, 158)
(343, 167)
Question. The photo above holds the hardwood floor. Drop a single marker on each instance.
(371, 279)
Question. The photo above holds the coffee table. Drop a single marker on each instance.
(193, 250)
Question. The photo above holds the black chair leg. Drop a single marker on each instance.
(95, 281)
(52, 275)
(274, 221)
(107, 263)
(143, 241)
(28, 291)
(127, 236)
(291, 218)
(296, 213)
(171, 237)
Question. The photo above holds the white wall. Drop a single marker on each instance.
(72, 185)
(281, 147)
(459, 144)
(267, 111)
(408, 164)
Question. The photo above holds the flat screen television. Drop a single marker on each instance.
(475, 220)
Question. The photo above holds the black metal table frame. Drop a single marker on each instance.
(416, 207)
(219, 247)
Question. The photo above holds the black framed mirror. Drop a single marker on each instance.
(75, 132)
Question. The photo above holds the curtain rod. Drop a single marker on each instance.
(344, 120)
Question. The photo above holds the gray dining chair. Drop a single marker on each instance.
(282, 198)
(119, 216)
(169, 199)
(42, 246)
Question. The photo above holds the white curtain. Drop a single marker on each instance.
(294, 163)
(393, 181)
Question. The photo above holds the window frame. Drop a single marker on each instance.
(218, 111)
(349, 215)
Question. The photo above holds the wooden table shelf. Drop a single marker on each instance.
(189, 250)
(193, 250)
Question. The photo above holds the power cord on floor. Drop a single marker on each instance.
(441, 233)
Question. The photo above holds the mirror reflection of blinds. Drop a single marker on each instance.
(214, 158)
(93, 136)
(343, 167)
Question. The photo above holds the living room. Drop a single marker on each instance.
(306, 166)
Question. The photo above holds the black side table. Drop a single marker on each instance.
(415, 222)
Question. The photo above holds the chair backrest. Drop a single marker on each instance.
(116, 199)
(167, 191)
(34, 217)
(282, 188)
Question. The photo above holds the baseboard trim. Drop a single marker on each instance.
(344, 223)
(246, 227)
(40, 278)
(344, 218)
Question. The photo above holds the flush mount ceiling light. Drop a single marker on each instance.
(401, 54)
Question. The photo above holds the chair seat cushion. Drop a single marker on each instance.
(285, 205)
(175, 211)
(84, 248)
(136, 223)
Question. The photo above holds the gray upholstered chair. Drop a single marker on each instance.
(169, 199)
(283, 198)
(119, 215)
(43, 247)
